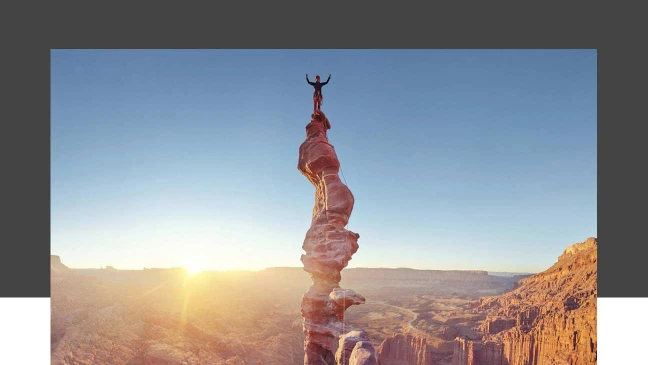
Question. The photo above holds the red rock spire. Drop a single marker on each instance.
(328, 248)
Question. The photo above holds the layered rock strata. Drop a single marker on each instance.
(413, 350)
(549, 319)
(328, 248)
(478, 353)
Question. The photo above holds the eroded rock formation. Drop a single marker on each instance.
(478, 353)
(363, 354)
(356, 349)
(549, 319)
(328, 248)
(413, 350)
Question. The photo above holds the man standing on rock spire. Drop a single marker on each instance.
(317, 95)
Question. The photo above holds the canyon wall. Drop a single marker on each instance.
(413, 350)
(549, 319)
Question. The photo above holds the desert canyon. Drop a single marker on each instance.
(166, 316)
(294, 316)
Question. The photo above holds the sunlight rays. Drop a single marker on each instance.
(195, 265)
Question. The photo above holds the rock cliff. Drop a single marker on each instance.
(549, 319)
(413, 350)
(328, 248)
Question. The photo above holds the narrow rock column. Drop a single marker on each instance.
(328, 246)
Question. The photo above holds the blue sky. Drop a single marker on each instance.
(458, 159)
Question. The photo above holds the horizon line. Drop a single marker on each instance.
(293, 267)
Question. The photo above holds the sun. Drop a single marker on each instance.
(193, 270)
(194, 267)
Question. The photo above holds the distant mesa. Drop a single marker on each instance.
(57, 268)
(174, 269)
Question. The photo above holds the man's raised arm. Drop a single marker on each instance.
(327, 80)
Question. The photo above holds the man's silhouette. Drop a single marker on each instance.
(317, 95)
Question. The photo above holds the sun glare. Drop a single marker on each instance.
(194, 267)
(193, 270)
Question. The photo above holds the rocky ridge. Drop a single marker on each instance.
(549, 319)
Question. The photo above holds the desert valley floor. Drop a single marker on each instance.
(413, 317)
